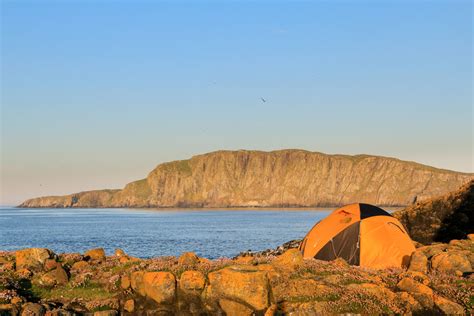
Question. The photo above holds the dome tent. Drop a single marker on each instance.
(361, 234)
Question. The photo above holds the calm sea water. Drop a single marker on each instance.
(149, 233)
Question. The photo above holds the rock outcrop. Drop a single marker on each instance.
(439, 281)
(285, 178)
(442, 218)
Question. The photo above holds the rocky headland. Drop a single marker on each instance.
(285, 178)
(442, 218)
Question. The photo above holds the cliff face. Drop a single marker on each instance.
(272, 179)
(443, 218)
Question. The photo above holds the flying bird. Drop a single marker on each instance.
(263, 100)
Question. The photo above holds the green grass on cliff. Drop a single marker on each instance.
(181, 166)
(140, 188)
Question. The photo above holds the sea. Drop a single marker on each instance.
(148, 233)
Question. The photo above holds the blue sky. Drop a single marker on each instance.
(96, 93)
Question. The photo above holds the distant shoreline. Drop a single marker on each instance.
(199, 209)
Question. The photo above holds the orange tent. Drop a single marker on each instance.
(363, 235)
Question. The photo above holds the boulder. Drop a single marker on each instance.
(418, 262)
(244, 260)
(80, 266)
(451, 261)
(68, 259)
(447, 307)
(249, 286)
(95, 254)
(232, 308)
(33, 309)
(7, 266)
(188, 259)
(432, 250)
(106, 313)
(31, 258)
(129, 306)
(291, 259)
(415, 275)
(54, 277)
(8, 309)
(136, 282)
(50, 264)
(127, 259)
(412, 286)
(420, 292)
(125, 282)
(24, 273)
(272, 310)
(298, 288)
(160, 286)
(59, 312)
(192, 281)
(470, 237)
(120, 253)
(303, 308)
(408, 301)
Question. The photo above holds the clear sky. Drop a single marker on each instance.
(95, 94)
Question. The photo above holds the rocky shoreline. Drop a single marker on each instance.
(36, 281)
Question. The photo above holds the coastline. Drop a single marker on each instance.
(37, 281)
(230, 208)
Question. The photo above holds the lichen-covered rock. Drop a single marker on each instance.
(68, 259)
(241, 284)
(432, 250)
(417, 276)
(420, 292)
(80, 266)
(50, 264)
(24, 273)
(33, 309)
(303, 308)
(160, 286)
(8, 309)
(129, 305)
(55, 277)
(447, 307)
(136, 282)
(298, 288)
(451, 262)
(412, 286)
(418, 262)
(232, 308)
(119, 253)
(188, 259)
(125, 282)
(291, 259)
(95, 254)
(106, 313)
(31, 258)
(409, 303)
(192, 281)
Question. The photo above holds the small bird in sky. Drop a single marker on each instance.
(263, 100)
